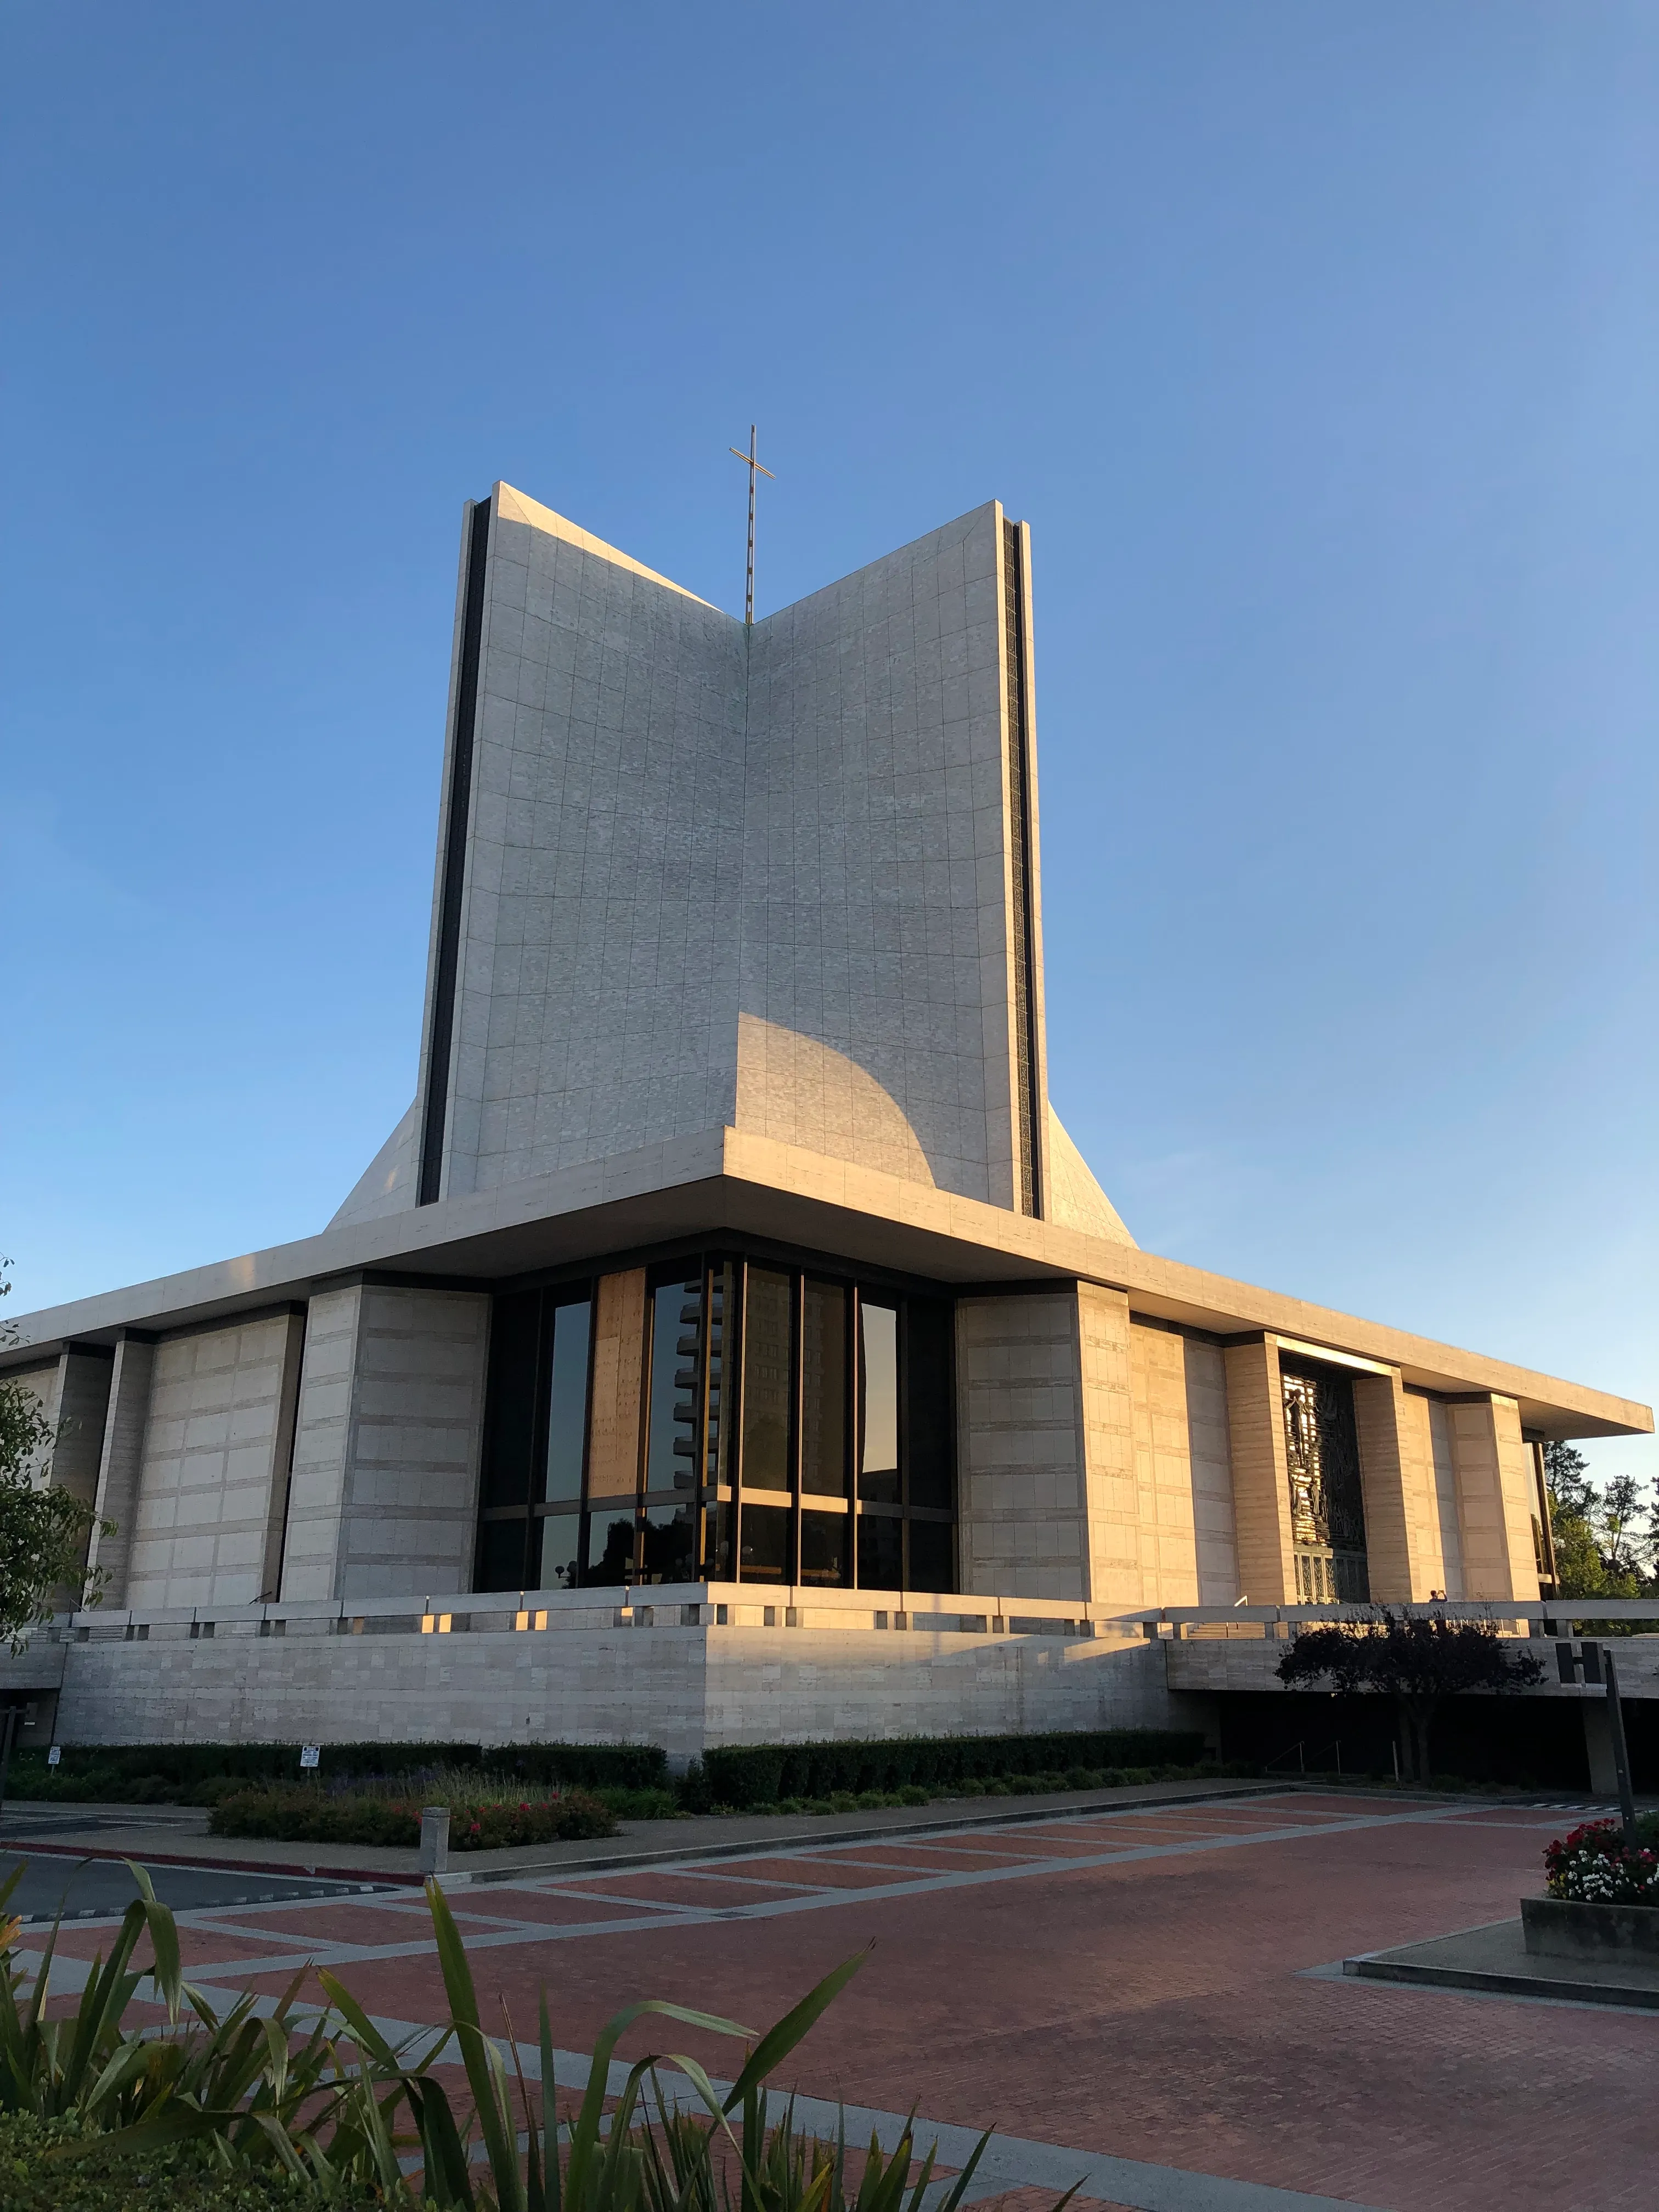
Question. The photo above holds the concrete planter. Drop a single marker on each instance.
(1554, 1929)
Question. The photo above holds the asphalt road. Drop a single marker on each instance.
(95, 1889)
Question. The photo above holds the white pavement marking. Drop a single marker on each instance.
(838, 1899)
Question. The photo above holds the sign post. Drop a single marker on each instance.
(1620, 1754)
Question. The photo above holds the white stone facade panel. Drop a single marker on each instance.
(1022, 1505)
(385, 1494)
(214, 1460)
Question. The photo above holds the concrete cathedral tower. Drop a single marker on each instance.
(693, 874)
(731, 1277)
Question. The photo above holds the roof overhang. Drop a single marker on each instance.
(727, 1181)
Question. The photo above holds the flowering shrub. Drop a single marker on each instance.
(308, 1815)
(1594, 1865)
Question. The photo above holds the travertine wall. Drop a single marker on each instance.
(1261, 1494)
(1022, 1500)
(1426, 1425)
(209, 1485)
(1112, 1503)
(760, 879)
(878, 860)
(383, 1497)
(1494, 1489)
(120, 1461)
(1093, 1452)
(1188, 1550)
(1402, 1529)
(597, 992)
(682, 1688)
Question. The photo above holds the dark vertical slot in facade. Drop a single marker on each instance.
(449, 910)
(1019, 790)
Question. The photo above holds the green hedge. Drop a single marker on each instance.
(743, 1775)
(147, 1773)
(183, 2179)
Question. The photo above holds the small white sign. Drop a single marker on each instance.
(55, 1755)
(310, 1754)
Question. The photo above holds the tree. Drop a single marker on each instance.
(1601, 1546)
(43, 1528)
(1417, 1660)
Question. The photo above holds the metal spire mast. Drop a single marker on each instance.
(751, 465)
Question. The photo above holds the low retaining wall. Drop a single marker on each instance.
(1556, 1927)
(682, 1685)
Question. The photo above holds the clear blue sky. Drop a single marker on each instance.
(1318, 344)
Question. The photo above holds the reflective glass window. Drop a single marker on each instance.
(501, 1556)
(676, 1385)
(881, 1551)
(718, 1523)
(554, 1546)
(823, 1390)
(927, 1406)
(932, 1556)
(765, 1539)
(566, 1412)
(510, 1453)
(879, 1403)
(670, 1543)
(610, 1543)
(765, 1401)
(722, 1305)
(823, 1548)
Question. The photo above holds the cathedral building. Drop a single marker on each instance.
(730, 1343)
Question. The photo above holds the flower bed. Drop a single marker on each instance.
(1595, 1866)
(314, 1815)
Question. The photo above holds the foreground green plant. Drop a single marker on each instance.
(329, 2108)
(244, 2081)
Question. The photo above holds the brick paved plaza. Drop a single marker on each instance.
(1138, 1985)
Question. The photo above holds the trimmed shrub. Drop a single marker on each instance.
(747, 1775)
(311, 1815)
(195, 1773)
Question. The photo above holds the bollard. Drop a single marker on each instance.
(435, 1839)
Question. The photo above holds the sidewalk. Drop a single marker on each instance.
(178, 1835)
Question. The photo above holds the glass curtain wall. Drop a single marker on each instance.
(535, 1440)
(796, 1429)
(844, 1475)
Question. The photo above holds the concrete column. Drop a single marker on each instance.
(81, 1401)
(121, 1459)
(1111, 1493)
(1402, 1545)
(1021, 1489)
(1494, 1497)
(76, 1399)
(388, 1440)
(613, 1446)
(1261, 1479)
